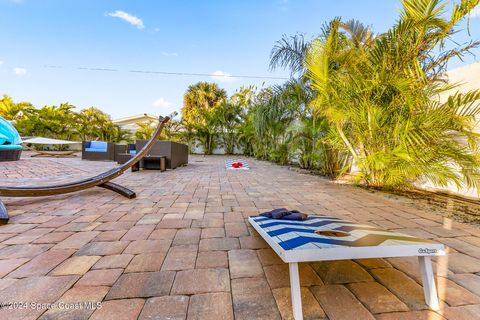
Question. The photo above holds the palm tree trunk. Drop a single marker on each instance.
(346, 141)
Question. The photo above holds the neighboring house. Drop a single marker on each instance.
(130, 123)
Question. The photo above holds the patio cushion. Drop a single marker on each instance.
(101, 145)
(9, 131)
(3, 138)
(95, 150)
(10, 147)
(132, 152)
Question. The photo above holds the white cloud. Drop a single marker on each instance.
(169, 54)
(20, 71)
(222, 76)
(125, 16)
(475, 13)
(1, 62)
(161, 103)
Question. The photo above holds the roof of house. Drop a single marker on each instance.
(135, 118)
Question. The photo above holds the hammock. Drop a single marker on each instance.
(100, 180)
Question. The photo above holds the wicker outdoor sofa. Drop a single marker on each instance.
(98, 150)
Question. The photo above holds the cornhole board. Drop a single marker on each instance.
(324, 238)
(236, 164)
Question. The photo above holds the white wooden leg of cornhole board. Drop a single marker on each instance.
(311, 248)
(296, 292)
(428, 279)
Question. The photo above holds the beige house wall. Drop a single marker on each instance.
(468, 78)
(130, 123)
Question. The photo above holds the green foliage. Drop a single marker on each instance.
(212, 119)
(200, 98)
(227, 116)
(207, 130)
(13, 111)
(145, 130)
(49, 121)
(61, 122)
(92, 124)
(380, 97)
(357, 102)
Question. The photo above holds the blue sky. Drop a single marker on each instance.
(231, 37)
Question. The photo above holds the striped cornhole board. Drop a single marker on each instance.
(323, 238)
(229, 164)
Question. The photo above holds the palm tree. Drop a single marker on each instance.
(273, 114)
(14, 111)
(94, 124)
(380, 96)
(246, 135)
(198, 112)
(228, 116)
(289, 53)
(89, 123)
(200, 97)
(51, 121)
(207, 130)
(186, 134)
(145, 130)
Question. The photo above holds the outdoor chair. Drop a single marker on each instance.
(98, 150)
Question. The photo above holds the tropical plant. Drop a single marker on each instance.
(145, 129)
(380, 96)
(274, 113)
(14, 111)
(289, 53)
(50, 121)
(93, 124)
(230, 113)
(62, 122)
(200, 115)
(227, 116)
(200, 97)
(172, 131)
(247, 139)
(207, 130)
(186, 134)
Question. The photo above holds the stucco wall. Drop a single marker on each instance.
(468, 78)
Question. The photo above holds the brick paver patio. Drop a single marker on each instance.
(183, 250)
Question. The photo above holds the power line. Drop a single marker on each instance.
(167, 73)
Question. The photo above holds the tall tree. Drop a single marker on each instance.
(200, 97)
(199, 112)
